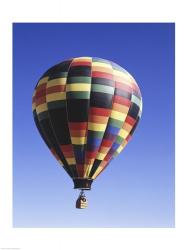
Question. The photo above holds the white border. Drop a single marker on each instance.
(94, 11)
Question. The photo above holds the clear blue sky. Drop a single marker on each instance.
(137, 188)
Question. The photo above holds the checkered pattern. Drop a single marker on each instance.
(86, 110)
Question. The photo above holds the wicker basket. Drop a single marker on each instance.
(81, 202)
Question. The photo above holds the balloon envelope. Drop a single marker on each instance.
(86, 110)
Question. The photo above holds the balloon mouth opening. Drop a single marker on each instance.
(82, 183)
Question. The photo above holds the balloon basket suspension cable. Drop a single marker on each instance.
(81, 201)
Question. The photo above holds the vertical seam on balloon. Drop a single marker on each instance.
(132, 91)
(46, 136)
(52, 129)
(125, 117)
(139, 113)
(118, 133)
(85, 148)
(38, 123)
(107, 120)
(68, 120)
(57, 142)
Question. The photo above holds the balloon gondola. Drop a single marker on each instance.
(86, 110)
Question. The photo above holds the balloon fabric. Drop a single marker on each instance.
(86, 110)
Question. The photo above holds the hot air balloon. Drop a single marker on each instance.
(86, 110)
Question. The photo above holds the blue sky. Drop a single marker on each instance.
(137, 188)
